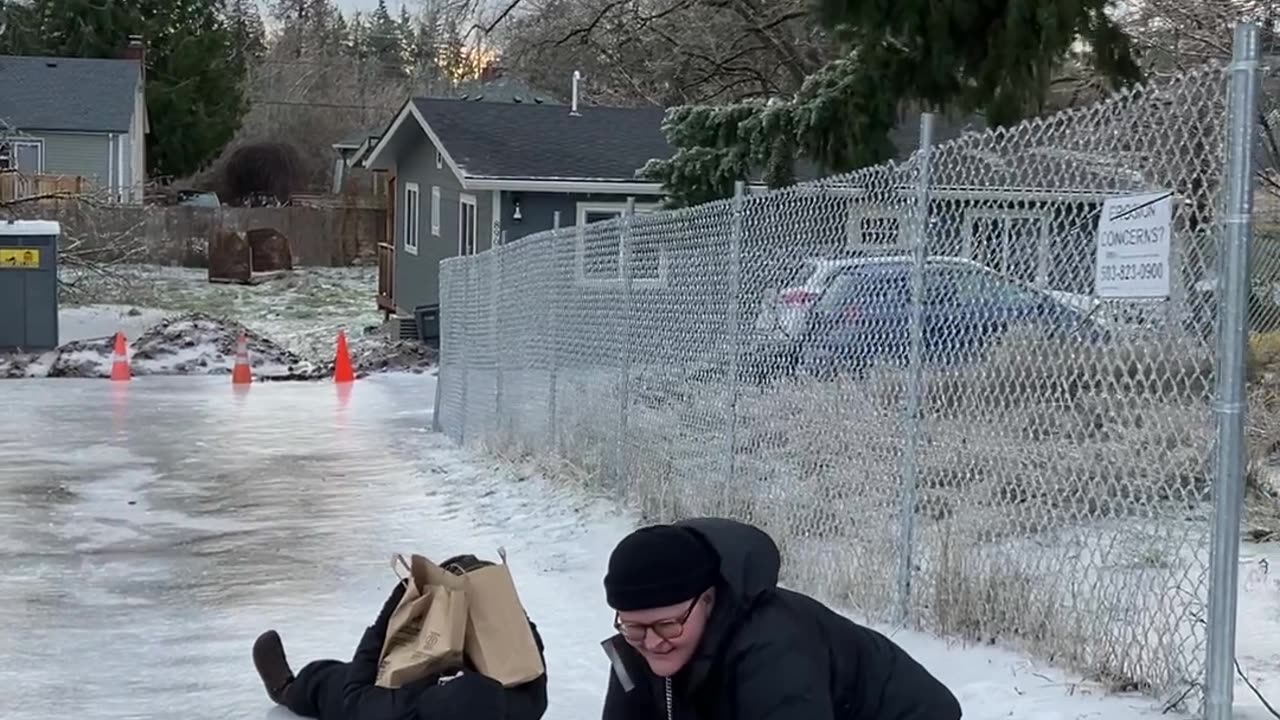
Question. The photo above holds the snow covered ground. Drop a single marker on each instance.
(302, 311)
(148, 532)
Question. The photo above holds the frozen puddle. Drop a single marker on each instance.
(149, 532)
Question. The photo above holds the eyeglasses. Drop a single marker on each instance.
(668, 629)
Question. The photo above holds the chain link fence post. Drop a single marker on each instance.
(624, 387)
(549, 335)
(1233, 331)
(915, 370)
(496, 285)
(734, 327)
(466, 359)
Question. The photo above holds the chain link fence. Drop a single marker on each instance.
(956, 432)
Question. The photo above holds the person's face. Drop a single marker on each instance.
(667, 637)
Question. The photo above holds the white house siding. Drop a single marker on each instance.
(137, 155)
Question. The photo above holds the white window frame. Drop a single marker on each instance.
(435, 210)
(412, 217)
(465, 199)
(13, 144)
(618, 208)
(859, 213)
(1006, 215)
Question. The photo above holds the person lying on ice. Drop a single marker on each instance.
(705, 633)
(334, 690)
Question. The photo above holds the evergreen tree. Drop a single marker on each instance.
(421, 50)
(195, 93)
(357, 45)
(245, 25)
(341, 34)
(991, 56)
(385, 42)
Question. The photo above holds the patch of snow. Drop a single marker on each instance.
(90, 322)
(1258, 633)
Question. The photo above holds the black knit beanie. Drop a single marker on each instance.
(659, 566)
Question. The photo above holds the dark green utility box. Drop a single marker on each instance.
(28, 285)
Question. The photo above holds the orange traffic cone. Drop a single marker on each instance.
(120, 371)
(242, 374)
(342, 371)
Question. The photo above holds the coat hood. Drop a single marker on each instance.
(749, 558)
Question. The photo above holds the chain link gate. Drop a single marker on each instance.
(905, 376)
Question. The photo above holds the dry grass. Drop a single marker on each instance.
(1062, 490)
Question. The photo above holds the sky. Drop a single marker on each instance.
(349, 6)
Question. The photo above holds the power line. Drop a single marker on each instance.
(333, 106)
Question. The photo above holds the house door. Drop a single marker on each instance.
(1011, 242)
(466, 224)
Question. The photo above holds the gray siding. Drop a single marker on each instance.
(80, 154)
(537, 210)
(417, 280)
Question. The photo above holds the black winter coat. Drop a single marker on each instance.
(470, 697)
(773, 654)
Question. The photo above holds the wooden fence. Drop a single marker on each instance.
(180, 235)
(17, 186)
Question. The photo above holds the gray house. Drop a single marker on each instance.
(351, 151)
(81, 117)
(467, 174)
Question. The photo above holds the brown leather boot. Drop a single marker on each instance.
(272, 665)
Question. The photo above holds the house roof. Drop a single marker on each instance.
(503, 89)
(68, 94)
(545, 141)
(355, 139)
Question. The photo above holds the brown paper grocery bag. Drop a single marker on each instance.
(427, 632)
(499, 642)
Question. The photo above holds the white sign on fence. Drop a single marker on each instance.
(1134, 236)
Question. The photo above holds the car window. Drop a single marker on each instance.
(974, 285)
(864, 284)
(801, 275)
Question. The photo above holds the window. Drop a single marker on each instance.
(435, 211)
(26, 156)
(1011, 242)
(439, 160)
(600, 250)
(875, 229)
(466, 224)
(411, 218)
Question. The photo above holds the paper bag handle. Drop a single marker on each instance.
(398, 561)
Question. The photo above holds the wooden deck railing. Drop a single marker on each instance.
(19, 186)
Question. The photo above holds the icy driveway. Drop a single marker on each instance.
(148, 533)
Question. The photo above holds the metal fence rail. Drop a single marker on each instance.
(907, 376)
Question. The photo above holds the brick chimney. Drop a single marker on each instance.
(135, 50)
(492, 71)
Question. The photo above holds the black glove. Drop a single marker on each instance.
(470, 696)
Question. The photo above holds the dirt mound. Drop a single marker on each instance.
(382, 354)
(198, 343)
(187, 344)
